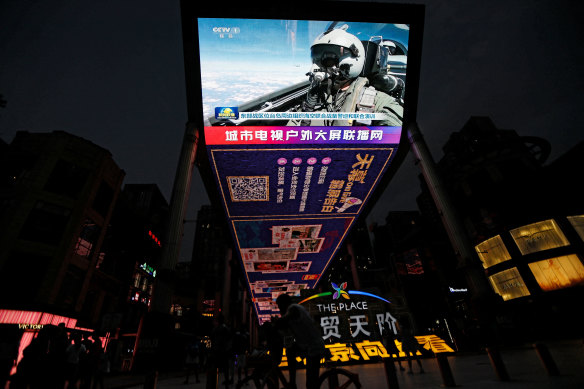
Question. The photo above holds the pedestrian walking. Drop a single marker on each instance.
(240, 350)
(192, 360)
(221, 342)
(389, 338)
(74, 353)
(411, 346)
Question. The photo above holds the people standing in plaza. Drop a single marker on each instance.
(32, 370)
(192, 354)
(389, 338)
(74, 353)
(221, 342)
(307, 336)
(9, 343)
(240, 350)
(86, 363)
(410, 347)
(98, 363)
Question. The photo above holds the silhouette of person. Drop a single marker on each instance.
(74, 353)
(87, 363)
(274, 343)
(97, 363)
(192, 360)
(308, 339)
(57, 350)
(9, 343)
(221, 347)
(33, 370)
(240, 350)
(389, 338)
(410, 347)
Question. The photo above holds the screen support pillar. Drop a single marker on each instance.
(174, 231)
(454, 228)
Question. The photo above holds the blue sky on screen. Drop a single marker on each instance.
(245, 59)
(267, 42)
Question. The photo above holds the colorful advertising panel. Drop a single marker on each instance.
(302, 117)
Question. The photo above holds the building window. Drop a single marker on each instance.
(71, 287)
(492, 251)
(87, 238)
(103, 199)
(176, 310)
(578, 224)
(558, 273)
(45, 223)
(137, 280)
(67, 179)
(21, 276)
(539, 236)
(509, 284)
(100, 258)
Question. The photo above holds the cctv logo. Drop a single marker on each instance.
(226, 31)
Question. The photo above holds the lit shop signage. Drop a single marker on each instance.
(372, 351)
(28, 326)
(350, 315)
(293, 177)
(457, 290)
(148, 269)
(353, 324)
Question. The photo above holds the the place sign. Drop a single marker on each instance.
(353, 325)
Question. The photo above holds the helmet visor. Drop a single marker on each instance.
(327, 56)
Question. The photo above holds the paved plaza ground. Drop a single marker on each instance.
(469, 370)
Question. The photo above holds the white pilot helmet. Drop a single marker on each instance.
(340, 49)
(390, 46)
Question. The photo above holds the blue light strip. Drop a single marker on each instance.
(368, 294)
(350, 293)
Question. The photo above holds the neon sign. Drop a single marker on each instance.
(372, 351)
(353, 324)
(457, 290)
(148, 269)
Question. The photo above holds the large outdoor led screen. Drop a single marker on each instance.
(301, 119)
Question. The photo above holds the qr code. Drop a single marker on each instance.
(249, 188)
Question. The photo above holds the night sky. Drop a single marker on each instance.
(112, 72)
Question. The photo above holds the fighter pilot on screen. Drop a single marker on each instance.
(349, 75)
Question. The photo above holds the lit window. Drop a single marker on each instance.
(539, 236)
(176, 309)
(100, 259)
(578, 224)
(87, 238)
(136, 280)
(558, 273)
(492, 251)
(509, 284)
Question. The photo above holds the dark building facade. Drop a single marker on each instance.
(132, 250)
(57, 196)
(221, 287)
(524, 220)
(57, 199)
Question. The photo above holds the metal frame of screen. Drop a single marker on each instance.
(224, 179)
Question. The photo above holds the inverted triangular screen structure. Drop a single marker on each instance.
(302, 117)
